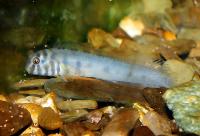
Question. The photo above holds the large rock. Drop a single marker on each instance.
(12, 118)
(184, 101)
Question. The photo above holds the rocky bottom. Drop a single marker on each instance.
(84, 107)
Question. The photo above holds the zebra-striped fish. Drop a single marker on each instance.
(61, 62)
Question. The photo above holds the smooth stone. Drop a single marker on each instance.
(12, 118)
(49, 119)
(143, 131)
(122, 122)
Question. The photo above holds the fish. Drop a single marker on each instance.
(64, 62)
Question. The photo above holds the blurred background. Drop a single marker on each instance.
(30, 24)
(35, 24)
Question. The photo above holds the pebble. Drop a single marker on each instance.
(121, 123)
(33, 131)
(12, 118)
(3, 98)
(49, 119)
(143, 131)
(34, 110)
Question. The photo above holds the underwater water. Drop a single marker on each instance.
(37, 24)
(132, 63)
(27, 26)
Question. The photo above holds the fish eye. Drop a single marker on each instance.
(36, 60)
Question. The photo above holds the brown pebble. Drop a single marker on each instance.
(143, 131)
(158, 124)
(122, 122)
(12, 118)
(3, 97)
(34, 110)
(33, 131)
(74, 129)
(49, 120)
